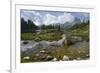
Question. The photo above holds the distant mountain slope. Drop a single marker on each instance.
(81, 26)
(80, 30)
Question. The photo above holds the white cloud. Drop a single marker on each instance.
(47, 19)
(37, 18)
(66, 17)
(32, 15)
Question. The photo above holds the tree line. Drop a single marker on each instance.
(30, 26)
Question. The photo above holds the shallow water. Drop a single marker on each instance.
(80, 44)
(32, 45)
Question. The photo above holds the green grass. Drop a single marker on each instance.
(42, 36)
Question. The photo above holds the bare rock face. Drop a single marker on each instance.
(65, 58)
(73, 39)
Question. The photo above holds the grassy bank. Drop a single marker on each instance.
(42, 36)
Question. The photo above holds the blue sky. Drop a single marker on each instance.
(50, 17)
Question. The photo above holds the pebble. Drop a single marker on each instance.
(65, 58)
(54, 59)
(27, 57)
(78, 58)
